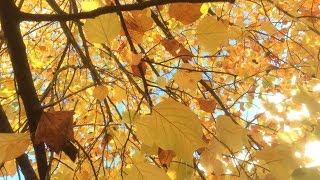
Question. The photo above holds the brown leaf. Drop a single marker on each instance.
(136, 70)
(186, 13)
(176, 49)
(106, 139)
(165, 156)
(55, 128)
(207, 105)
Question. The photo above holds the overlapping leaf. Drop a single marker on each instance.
(102, 29)
(172, 126)
(212, 33)
(12, 145)
(55, 128)
(144, 170)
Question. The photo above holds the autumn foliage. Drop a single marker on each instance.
(160, 89)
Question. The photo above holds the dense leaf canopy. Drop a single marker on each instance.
(160, 89)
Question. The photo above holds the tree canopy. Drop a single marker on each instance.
(160, 89)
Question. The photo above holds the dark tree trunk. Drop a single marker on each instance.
(9, 15)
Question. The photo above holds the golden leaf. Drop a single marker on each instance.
(102, 29)
(212, 34)
(187, 79)
(12, 145)
(144, 170)
(100, 92)
(234, 136)
(172, 126)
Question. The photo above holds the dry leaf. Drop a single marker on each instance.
(55, 128)
(207, 105)
(165, 156)
(136, 70)
(186, 13)
(132, 58)
(176, 49)
(138, 22)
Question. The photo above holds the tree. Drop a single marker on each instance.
(159, 89)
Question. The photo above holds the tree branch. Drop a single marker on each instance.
(9, 15)
(107, 9)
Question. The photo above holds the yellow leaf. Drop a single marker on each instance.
(212, 33)
(8, 169)
(130, 116)
(161, 81)
(268, 27)
(180, 170)
(150, 150)
(187, 79)
(305, 174)
(211, 163)
(12, 145)
(144, 130)
(144, 171)
(205, 8)
(211, 157)
(279, 159)
(304, 97)
(234, 136)
(174, 126)
(119, 94)
(235, 32)
(102, 29)
(100, 92)
(89, 5)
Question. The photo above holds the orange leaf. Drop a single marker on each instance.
(55, 128)
(165, 156)
(176, 49)
(207, 105)
(136, 70)
(137, 23)
(186, 13)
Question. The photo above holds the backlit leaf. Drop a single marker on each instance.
(305, 174)
(234, 136)
(8, 169)
(138, 22)
(100, 92)
(12, 145)
(212, 33)
(186, 78)
(174, 126)
(144, 170)
(102, 29)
